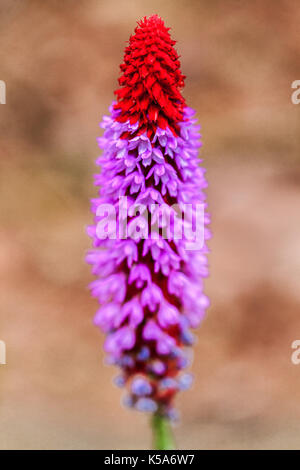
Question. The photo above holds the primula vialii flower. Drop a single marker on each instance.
(150, 288)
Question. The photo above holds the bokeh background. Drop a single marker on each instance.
(60, 63)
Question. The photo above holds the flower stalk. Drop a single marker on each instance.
(162, 433)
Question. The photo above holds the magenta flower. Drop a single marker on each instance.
(150, 288)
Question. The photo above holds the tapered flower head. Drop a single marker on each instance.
(149, 270)
(151, 80)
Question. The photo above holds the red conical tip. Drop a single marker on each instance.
(151, 79)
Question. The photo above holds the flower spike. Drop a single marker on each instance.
(149, 283)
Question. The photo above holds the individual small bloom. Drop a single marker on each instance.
(121, 340)
(144, 354)
(185, 381)
(168, 383)
(132, 312)
(140, 387)
(151, 297)
(119, 381)
(147, 405)
(106, 316)
(158, 367)
(140, 275)
(148, 284)
(168, 315)
(164, 342)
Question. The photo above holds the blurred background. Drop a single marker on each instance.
(60, 62)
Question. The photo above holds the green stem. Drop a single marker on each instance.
(162, 433)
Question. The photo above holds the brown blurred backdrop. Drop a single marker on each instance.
(60, 63)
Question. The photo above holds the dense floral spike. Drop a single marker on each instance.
(151, 80)
(150, 289)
